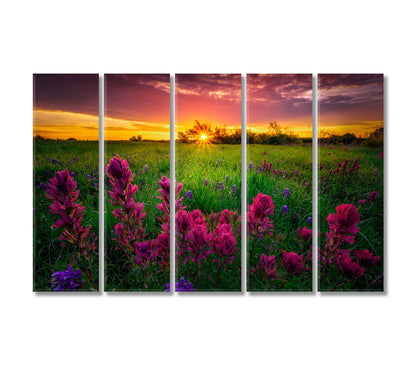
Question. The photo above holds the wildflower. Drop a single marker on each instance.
(344, 221)
(220, 186)
(122, 194)
(366, 259)
(89, 176)
(61, 190)
(285, 210)
(306, 184)
(67, 280)
(72, 174)
(373, 196)
(188, 195)
(250, 165)
(43, 186)
(163, 250)
(267, 267)
(304, 234)
(206, 182)
(286, 193)
(144, 253)
(48, 173)
(292, 262)
(380, 155)
(223, 244)
(309, 220)
(329, 153)
(324, 184)
(257, 220)
(145, 168)
(183, 224)
(226, 178)
(348, 267)
(198, 240)
(182, 286)
(362, 201)
(95, 185)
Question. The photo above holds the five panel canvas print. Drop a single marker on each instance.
(211, 240)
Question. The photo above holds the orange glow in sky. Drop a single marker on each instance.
(212, 98)
(285, 98)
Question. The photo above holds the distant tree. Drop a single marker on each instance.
(137, 138)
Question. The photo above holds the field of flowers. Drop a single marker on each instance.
(208, 221)
(279, 219)
(137, 228)
(65, 209)
(350, 218)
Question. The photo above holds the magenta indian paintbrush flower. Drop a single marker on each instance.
(292, 262)
(348, 267)
(223, 244)
(258, 222)
(130, 213)
(62, 191)
(267, 267)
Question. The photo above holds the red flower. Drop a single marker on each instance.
(304, 234)
(267, 267)
(348, 267)
(292, 262)
(366, 259)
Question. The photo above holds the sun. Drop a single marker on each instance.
(203, 137)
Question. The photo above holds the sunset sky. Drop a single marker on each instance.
(214, 98)
(65, 106)
(350, 103)
(285, 98)
(137, 104)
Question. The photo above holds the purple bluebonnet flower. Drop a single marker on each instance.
(188, 195)
(95, 179)
(145, 168)
(309, 220)
(69, 162)
(220, 186)
(261, 169)
(286, 192)
(48, 173)
(250, 165)
(285, 209)
(226, 178)
(66, 280)
(72, 174)
(95, 184)
(89, 176)
(205, 182)
(53, 161)
(182, 286)
(43, 186)
(324, 183)
(233, 188)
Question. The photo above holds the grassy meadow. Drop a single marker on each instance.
(340, 186)
(290, 170)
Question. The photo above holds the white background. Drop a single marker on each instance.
(206, 334)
